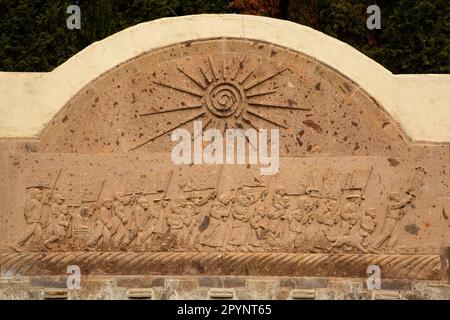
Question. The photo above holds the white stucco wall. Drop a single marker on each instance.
(28, 101)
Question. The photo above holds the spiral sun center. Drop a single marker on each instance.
(224, 99)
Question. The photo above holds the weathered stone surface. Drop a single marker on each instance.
(396, 284)
(134, 282)
(288, 283)
(230, 282)
(255, 288)
(49, 282)
(312, 283)
(385, 295)
(215, 282)
(98, 189)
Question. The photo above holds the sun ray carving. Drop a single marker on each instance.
(168, 130)
(205, 126)
(198, 83)
(259, 115)
(273, 105)
(172, 110)
(226, 97)
(240, 64)
(177, 88)
(262, 93)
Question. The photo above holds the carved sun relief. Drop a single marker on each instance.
(228, 97)
(98, 188)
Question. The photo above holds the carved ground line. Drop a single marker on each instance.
(392, 265)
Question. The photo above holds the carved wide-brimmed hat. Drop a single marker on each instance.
(355, 195)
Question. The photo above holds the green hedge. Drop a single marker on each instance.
(414, 37)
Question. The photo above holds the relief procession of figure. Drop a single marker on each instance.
(249, 217)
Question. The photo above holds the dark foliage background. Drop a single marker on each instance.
(414, 38)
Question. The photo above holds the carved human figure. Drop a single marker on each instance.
(178, 220)
(368, 225)
(191, 213)
(119, 218)
(80, 228)
(47, 201)
(214, 234)
(240, 215)
(55, 211)
(326, 217)
(349, 212)
(258, 224)
(33, 212)
(55, 207)
(144, 220)
(140, 226)
(368, 221)
(81, 220)
(395, 210)
(58, 226)
(358, 237)
(159, 210)
(102, 226)
(202, 208)
(299, 219)
(278, 224)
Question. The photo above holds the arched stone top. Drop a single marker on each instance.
(37, 97)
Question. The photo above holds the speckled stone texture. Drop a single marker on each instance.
(97, 188)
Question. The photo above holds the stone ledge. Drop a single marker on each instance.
(140, 293)
(221, 293)
(305, 294)
(385, 295)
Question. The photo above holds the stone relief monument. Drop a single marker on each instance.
(98, 189)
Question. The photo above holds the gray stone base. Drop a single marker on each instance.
(218, 287)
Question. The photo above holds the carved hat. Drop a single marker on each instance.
(356, 195)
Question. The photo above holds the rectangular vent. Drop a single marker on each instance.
(302, 294)
(221, 293)
(141, 293)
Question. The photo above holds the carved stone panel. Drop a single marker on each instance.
(98, 188)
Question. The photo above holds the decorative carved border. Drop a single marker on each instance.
(393, 266)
